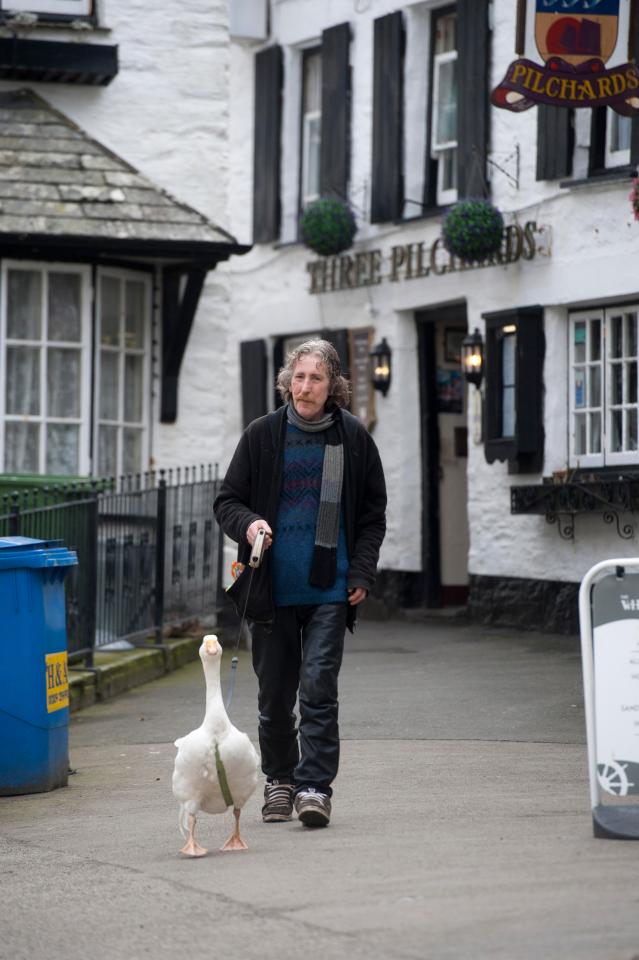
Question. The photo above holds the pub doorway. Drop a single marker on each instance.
(444, 451)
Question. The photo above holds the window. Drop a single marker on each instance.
(618, 131)
(122, 395)
(610, 136)
(311, 126)
(45, 369)
(443, 136)
(603, 387)
(514, 388)
(49, 9)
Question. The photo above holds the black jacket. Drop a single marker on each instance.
(251, 491)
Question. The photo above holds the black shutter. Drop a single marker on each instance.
(388, 111)
(253, 368)
(529, 390)
(473, 42)
(336, 111)
(266, 153)
(555, 142)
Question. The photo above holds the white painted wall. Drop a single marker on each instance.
(167, 113)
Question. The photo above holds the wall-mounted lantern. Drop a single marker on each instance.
(472, 355)
(381, 366)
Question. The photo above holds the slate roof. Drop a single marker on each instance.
(57, 181)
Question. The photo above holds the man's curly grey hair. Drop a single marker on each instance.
(339, 390)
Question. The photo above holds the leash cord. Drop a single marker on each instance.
(234, 660)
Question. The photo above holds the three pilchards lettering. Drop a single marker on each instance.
(57, 681)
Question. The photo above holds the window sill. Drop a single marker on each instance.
(602, 179)
(608, 493)
(428, 213)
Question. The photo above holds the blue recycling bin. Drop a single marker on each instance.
(34, 684)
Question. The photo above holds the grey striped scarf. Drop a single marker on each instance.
(324, 566)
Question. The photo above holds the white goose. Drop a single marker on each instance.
(216, 766)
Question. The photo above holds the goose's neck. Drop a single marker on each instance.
(215, 715)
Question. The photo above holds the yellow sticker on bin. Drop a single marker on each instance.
(57, 677)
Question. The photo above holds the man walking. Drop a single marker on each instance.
(310, 476)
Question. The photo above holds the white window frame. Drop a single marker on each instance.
(122, 275)
(606, 457)
(437, 149)
(69, 9)
(615, 158)
(308, 120)
(83, 346)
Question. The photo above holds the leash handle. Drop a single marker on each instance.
(258, 548)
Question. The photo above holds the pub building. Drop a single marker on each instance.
(508, 478)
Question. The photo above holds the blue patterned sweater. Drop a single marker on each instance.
(294, 539)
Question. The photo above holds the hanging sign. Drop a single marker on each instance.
(586, 49)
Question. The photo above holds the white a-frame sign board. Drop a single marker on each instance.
(609, 622)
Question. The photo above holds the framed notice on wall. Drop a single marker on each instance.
(363, 399)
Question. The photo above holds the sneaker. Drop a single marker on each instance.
(313, 808)
(278, 801)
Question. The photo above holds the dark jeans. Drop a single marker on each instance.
(302, 649)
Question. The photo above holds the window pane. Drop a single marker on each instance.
(312, 82)
(595, 387)
(134, 313)
(595, 339)
(445, 39)
(616, 338)
(109, 385)
(63, 383)
(631, 383)
(23, 380)
(620, 128)
(65, 321)
(595, 433)
(312, 144)
(508, 412)
(508, 360)
(448, 160)
(580, 342)
(616, 386)
(631, 335)
(631, 430)
(133, 382)
(110, 311)
(63, 449)
(132, 451)
(24, 305)
(446, 106)
(107, 451)
(580, 434)
(580, 387)
(21, 443)
(615, 431)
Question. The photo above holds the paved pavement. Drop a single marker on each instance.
(461, 824)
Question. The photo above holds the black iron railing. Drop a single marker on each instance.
(149, 551)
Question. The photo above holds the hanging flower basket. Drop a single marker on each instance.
(633, 196)
(472, 230)
(328, 227)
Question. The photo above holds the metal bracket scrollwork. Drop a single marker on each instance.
(626, 532)
(565, 525)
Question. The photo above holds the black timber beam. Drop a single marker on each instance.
(178, 312)
(53, 61)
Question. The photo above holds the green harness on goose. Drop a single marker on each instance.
(222, 779)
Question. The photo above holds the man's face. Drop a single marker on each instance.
(309, 386)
